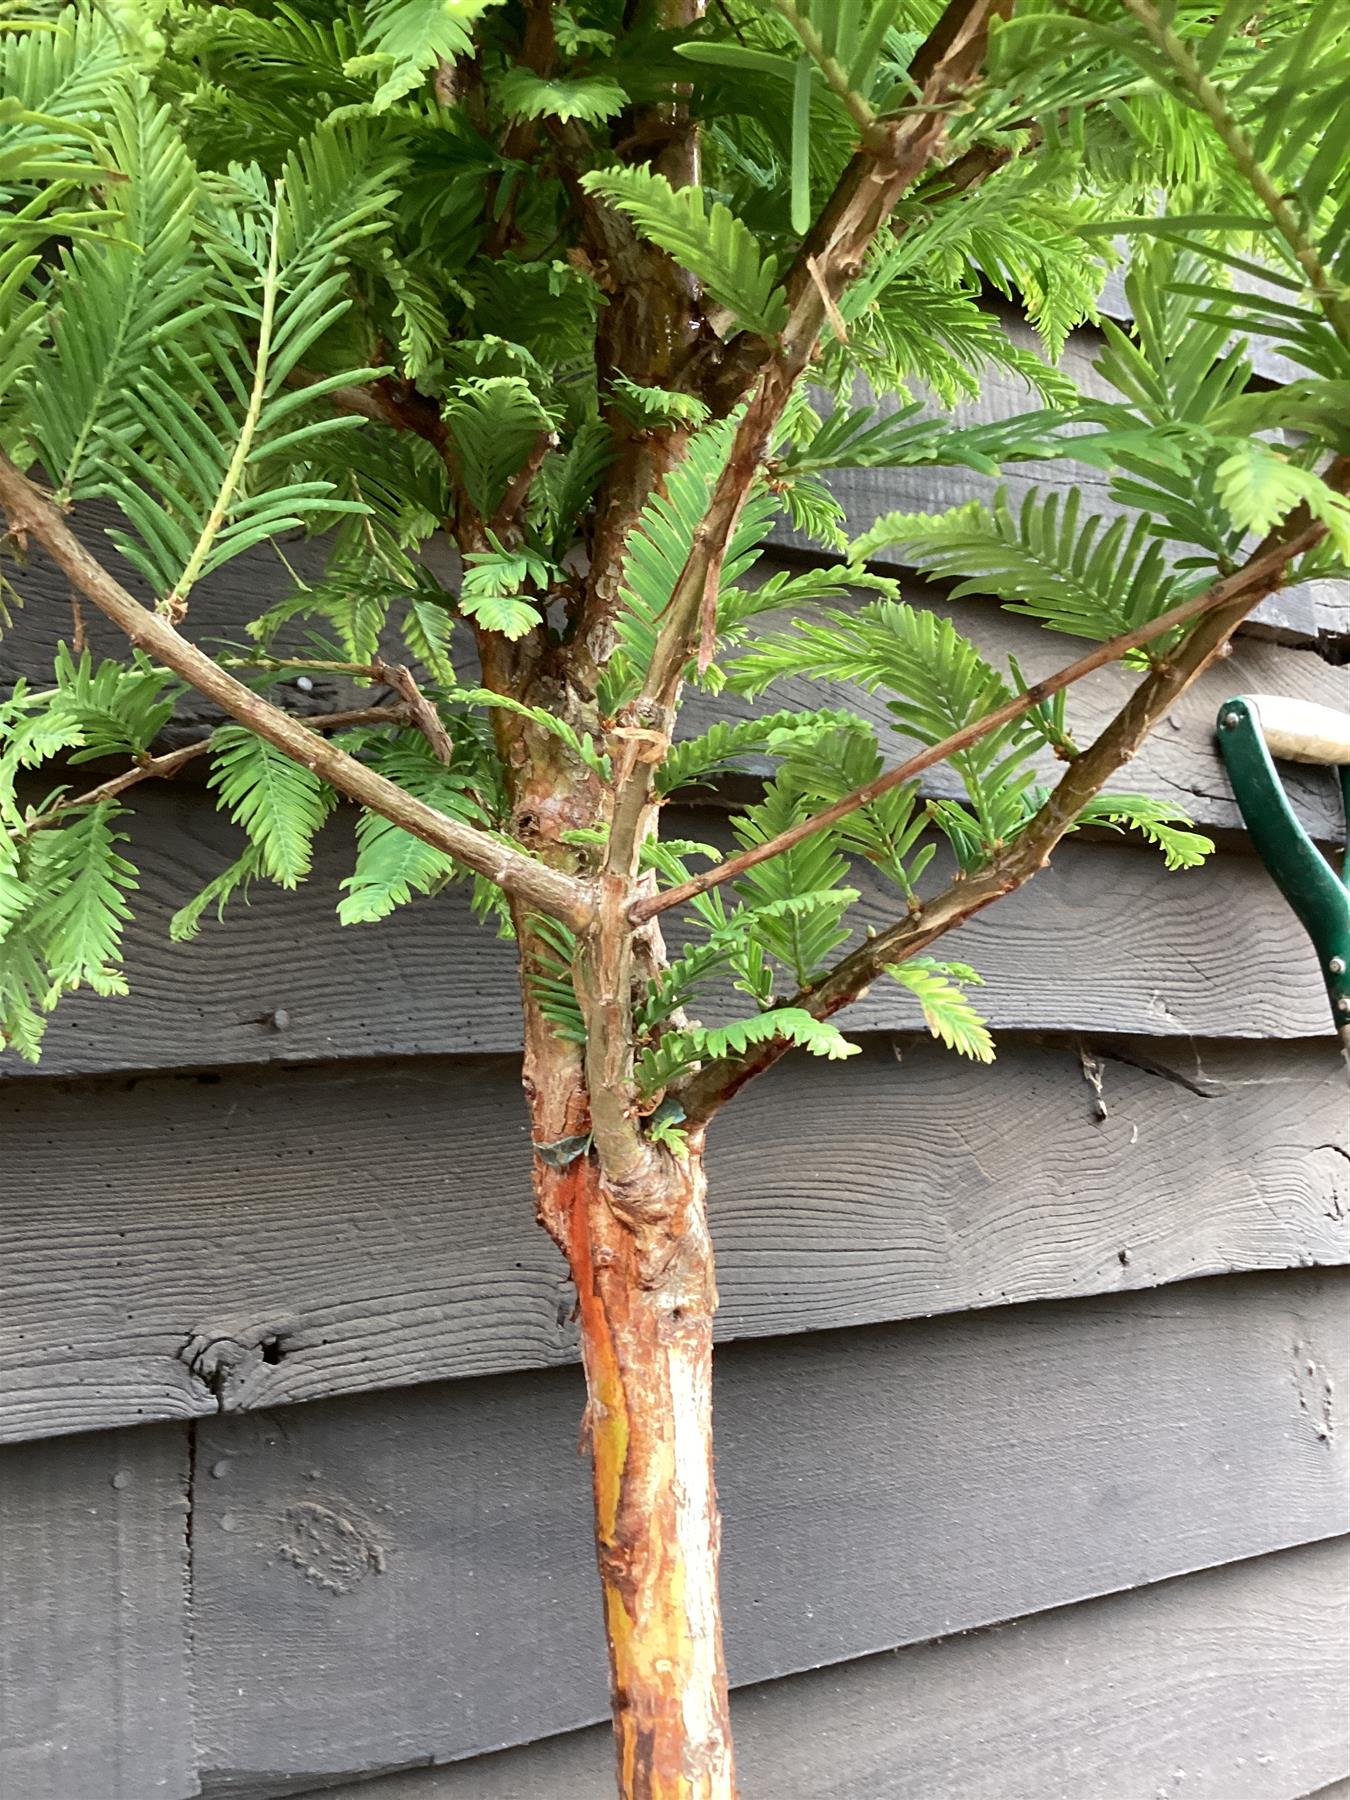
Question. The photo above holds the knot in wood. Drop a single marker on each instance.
(231, 1359)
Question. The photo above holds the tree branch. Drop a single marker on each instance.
(830, 257)
(550, 891)
(876, 178)
(167, 765)
(648, 330)
(645, 332)
(386, 400)
(1275, 559)
(711, 1087)
(518, 488)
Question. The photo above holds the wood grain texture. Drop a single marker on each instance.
(95, 1697)
(176, 1246)
(1296, 615)
(1106, 940)
(222, 604)
(1227, 1685)
(379, 1581)
(1302, 614)
(1306, 615)
(1179, 763)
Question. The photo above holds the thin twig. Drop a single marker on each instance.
(551, 891)
(384, 399)
(1249, 577)
(518, 488)
(171, 761)
(420, 710)
(306, 664)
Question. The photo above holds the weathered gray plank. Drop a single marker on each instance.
(221, 605)
(1294, 616)
(1106, 940)
(1179, 763)
(224, 603)
(1228, 1685)
(388, 1580)
(1304, 614)
(377, 1224)
(95, 1697)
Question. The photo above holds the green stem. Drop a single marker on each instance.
(836, 75)
(176, 604)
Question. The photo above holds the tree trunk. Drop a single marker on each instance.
(643, 1267)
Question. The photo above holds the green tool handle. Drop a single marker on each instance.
(1250, 726)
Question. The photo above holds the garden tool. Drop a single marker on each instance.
(1253, 729)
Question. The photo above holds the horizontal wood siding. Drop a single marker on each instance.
(177, 1245)
(1106, 940)
(293, 1166)
(1178, 764)
(383, 1580)
(95, 1691)
(1229, 1685)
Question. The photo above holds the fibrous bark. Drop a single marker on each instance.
(642, 1261)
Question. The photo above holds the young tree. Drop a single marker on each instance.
(597, 291)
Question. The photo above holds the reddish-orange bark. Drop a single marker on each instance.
(643, 1269)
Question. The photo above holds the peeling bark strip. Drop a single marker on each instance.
(643, 1265)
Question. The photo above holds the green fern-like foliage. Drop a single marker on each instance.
(728, 744)
(935, 683)
(1165, 826)
(798, 898)
(405, 38)
(947, 1010)
(658, 549)
(1080, 576)
(412, 312)
(279, 803)
(825, 765)
(710, 241)
(115, 294)
(391, 864)
(63, 905)
(679, 1051)
(494, 422)
(235, 879)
